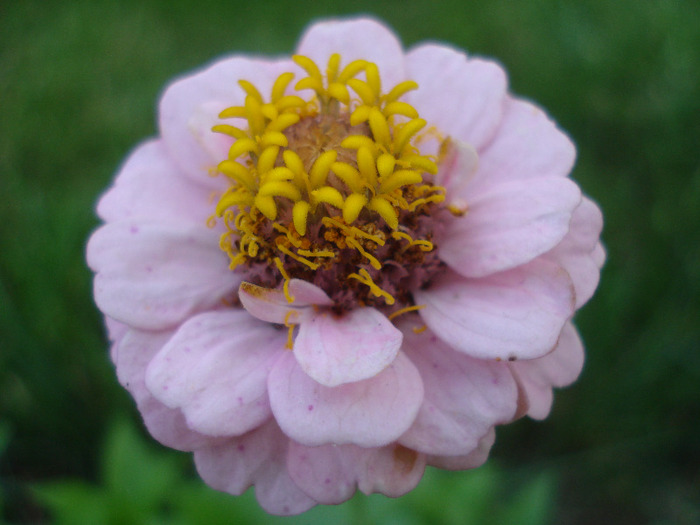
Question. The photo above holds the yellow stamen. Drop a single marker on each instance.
(285, 276)
(295, 241)
(290, 334)
(319, 253)
(296, 257)
(372, 260)
(352, 230)
(365, 278)
(405, 310)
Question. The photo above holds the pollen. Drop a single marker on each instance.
(326, 184)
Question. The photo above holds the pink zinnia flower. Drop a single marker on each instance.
(332, 270)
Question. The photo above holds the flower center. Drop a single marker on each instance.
(331, 189)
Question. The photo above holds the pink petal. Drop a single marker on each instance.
(576, 251)
(115, 332)
(151, 187)
(463, 97)
(516, 314)
(256, 458)
(361, 38)
(559, 368)
(153, 276)
(165, 424)
(368, 413)
(330, 474)
(474, 459)
(271, 305)
(191, 105)
(215, 370)
(527, 145)
(510, 224)
(464, 397)
(458, 169)
(115, 329)
(598, 254)
(334, 350)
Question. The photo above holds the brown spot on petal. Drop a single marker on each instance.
(404, 459)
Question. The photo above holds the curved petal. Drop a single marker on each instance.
(527, 145)
(361, 38)
(150, 187)
(517, 314)
(510, 225)
(165, 424)
(464, 397)
(334, 350)
(463, 97)
(191, 105)
(576, 253)
(598, 254)
(153, 276)
(256, 458)
(330, 474)
(368, 413)
(474, 459)
(215, 370)
(271, 305)
(559, 368)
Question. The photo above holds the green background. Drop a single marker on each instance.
(79, 82)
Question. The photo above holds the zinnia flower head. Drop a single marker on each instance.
(331, 271)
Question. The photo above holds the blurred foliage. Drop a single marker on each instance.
(79, 82)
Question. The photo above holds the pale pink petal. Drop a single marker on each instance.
(215, 370)
(256, 458)
(464, 397)
(168, 426)
(331, 474)
(599, 255)
(576, 251)
(115, 329)
(115, 332)
(368, 413)
(191, 105)
(165, 424)
(559, 368)
(151, 187)
(361, 38)
(510, 224)
(462, 97)
(272, 305)
(516, 314)
(527, 145)
(334, 350)
(458, 169)
(153, 276)
(474, 459)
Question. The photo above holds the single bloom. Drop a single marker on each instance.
(332, 270)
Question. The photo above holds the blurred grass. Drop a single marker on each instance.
(78, 89)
